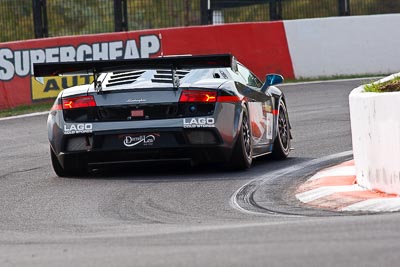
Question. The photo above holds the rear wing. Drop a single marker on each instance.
(95, 67)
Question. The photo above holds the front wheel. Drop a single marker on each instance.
(242, 156)
(281, 147)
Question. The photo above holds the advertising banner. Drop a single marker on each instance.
(260, 46)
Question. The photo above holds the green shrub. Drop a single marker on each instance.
(388, 86)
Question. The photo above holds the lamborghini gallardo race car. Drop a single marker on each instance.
(207, 108)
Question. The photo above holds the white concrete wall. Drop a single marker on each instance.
(344, 45)
(375, 126)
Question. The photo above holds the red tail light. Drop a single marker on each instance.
(206, 97)
(231, 98)
(198, 96)
(78, 102)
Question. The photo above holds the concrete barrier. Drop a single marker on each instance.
(375, 126)
(355, 45)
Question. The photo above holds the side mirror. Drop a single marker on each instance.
(271, 79)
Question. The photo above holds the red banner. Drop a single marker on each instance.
(260, 46)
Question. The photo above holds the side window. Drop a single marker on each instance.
(236, 76)
(250, 78)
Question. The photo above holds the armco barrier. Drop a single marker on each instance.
(375, 126)
(261, 46)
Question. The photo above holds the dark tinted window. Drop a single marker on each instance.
(249, 77)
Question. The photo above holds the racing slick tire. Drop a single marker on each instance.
(242, 156)
(281, 147)
(76, 171)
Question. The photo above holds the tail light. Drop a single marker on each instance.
(78, 102)
(228, 98)
(198, 96)
(206, 97)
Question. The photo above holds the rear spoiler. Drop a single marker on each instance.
(96, 67)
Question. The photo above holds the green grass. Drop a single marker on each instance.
(25, 109)
(389, 86)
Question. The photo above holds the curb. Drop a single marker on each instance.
(336, 189)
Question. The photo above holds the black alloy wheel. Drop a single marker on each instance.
(242, 156)
(282, 141)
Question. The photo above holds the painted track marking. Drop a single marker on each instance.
(333, 189)
(242, 198)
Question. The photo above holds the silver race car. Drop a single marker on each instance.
(207, 108)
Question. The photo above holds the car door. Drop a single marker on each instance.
(260, 110)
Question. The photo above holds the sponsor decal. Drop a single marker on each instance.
(270, 119)
(20, 62)
(267, 108)
(78, 128)
(50, 87)
(136, 100)
(198, 122)
(140, 139)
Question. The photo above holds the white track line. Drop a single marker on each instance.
(24, 116)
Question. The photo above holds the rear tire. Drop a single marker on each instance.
(76, 171)
(282, 140)
(242, 156)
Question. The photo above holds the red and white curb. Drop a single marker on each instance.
(336, 188)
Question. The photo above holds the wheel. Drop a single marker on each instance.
(242, 156)
(78, 170)
(281, 147)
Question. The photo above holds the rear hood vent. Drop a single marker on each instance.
(123, 77)
(165, 76)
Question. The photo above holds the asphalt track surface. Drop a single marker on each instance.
(179, 216)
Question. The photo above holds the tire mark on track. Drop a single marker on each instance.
(244, 198)
(21, 171)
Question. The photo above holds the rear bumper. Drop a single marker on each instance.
(99, 158)
(173, 144)
(199, 139)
